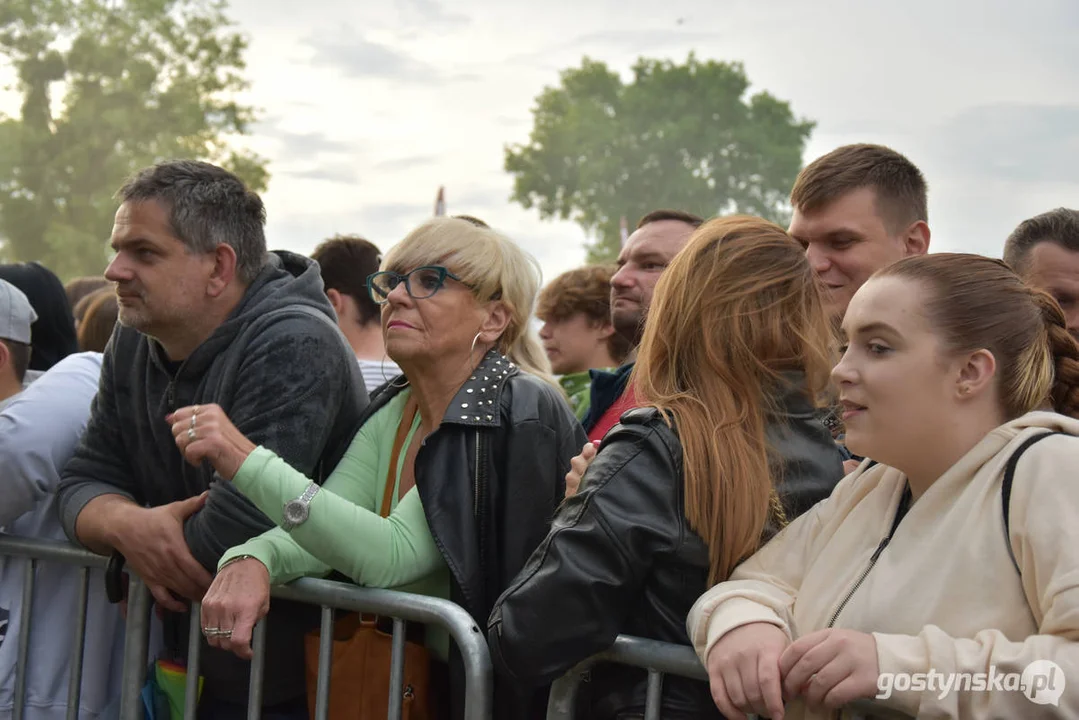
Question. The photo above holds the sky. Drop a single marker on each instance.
(367, 108)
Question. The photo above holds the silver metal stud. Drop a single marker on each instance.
(464, 405)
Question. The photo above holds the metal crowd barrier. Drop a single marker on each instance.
(470, 639)
(658, 658)
(51, 551)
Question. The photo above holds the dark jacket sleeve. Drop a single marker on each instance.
(574, 594)
(296, 385)
(99, 465)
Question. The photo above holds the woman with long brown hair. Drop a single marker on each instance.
(724, 449)
(941, 580)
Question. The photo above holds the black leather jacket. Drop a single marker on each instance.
(621, 559)
(490, 479)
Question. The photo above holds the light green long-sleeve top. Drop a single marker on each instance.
(344, 530)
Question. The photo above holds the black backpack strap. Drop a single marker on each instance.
(1006, 486)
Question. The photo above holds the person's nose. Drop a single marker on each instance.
(117, 270)
(844, 373)
(545, 332)
(818, 259)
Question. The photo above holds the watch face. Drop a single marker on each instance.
(295, 512)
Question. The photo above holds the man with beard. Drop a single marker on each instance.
(659, 236)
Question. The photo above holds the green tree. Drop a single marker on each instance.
(681, 136)
(141, 81)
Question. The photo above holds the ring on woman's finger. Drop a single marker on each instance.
(193, 420)
(191, 433)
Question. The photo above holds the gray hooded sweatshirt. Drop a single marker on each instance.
(286, 377)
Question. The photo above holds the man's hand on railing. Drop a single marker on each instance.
(744, 673)
(238, 598)
(153, 545)
(578, 466)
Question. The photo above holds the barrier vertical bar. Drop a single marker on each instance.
(325, 665)
(24, 637)
(78, 646)
(653, 699)
(194, 651)
(136, 644)
(258, 666)
(397, 669)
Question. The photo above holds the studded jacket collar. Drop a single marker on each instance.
(477, 402)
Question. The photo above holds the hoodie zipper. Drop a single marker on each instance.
(904, 504)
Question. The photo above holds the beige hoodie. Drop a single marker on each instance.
(944, 596)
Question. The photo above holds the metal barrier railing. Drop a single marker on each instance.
(402, 607)
(658, 658)
(35, 551)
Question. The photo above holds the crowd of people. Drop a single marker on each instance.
(822, 456)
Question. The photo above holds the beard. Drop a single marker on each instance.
(629, 323)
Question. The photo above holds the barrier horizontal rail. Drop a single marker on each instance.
(328, 595)
(658, 658)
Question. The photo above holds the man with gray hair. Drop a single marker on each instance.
(206, 315)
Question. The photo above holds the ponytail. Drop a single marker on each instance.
(1064, 350)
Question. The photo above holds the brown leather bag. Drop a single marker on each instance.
(360, 669)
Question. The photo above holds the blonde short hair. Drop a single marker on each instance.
(494, 266)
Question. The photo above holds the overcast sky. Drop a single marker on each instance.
(369, 107)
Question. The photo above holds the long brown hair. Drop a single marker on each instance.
(974, 302)
(737, 307)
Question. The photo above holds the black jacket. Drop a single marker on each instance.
(621, 559)
(284, 374)
(490, 479)
(606, 387)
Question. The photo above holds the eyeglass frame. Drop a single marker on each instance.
(442, 271)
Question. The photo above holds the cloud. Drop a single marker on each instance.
(337, 172)
(431, 12)
(636, 41)
(405, 163)
(363, 59)
(1015, 142)
(395, 213)
(302, 144)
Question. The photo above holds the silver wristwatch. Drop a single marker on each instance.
(296, 511)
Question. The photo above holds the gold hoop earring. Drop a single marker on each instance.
(474, 341)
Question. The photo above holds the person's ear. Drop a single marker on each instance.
(496, 320)
(976, 374)
(337, 300)
(603, 330)
(5, 357)
(916, 239)
(224, 270)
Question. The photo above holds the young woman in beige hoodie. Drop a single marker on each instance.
(907, 592)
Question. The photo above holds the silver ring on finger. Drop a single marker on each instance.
(191, 434)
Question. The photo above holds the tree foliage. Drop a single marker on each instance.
(108, 87)
(682, 136)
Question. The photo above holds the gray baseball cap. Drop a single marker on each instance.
(16, 314)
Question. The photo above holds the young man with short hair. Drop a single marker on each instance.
(577, 332)
(345, 262)
(856, 210)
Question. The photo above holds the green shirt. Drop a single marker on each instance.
(344, 530)
(578, 387)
